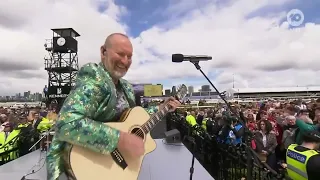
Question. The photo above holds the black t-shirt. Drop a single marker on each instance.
(313, 164)
(199, 119)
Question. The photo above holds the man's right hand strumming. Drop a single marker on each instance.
(131, 144)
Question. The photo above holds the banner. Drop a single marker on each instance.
(58, 91)
(152, 90)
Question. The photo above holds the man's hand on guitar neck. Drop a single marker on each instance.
(172, 102)
(131, 144)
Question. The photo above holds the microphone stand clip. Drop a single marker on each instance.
(196, 64)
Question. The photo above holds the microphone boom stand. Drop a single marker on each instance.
(248, 134)
(193, 146)
(193, 149)
(43, 136)
(196, 64)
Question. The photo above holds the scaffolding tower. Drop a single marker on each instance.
(61, 64)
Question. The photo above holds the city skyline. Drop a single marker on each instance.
(15, 94)
(197, 89)
(203, 91)
(24, 94)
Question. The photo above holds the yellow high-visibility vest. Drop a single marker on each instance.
(9, 143)
(297, 162)
(191, 120)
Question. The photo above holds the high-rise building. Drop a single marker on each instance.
(190, 89)
(167, 92)
(27, 94)
(37, 96)
(205, 88)
(174, 90)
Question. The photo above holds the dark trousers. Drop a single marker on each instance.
(281, 153)
(272, 161)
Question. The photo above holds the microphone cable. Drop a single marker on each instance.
(41, 158)
(37, 164)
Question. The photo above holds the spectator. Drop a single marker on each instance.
(288, 137)
(251, 123)
(304, 124)
(316, 119)
(233, 132)
(266, 142)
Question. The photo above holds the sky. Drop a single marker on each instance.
(251, 41)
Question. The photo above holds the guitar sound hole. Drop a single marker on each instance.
(138, 132)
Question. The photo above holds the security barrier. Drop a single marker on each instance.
(222, 161)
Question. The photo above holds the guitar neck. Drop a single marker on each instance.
(155, 119)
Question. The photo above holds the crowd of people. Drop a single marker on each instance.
(277, 128)
(21, 128)
(282, 132)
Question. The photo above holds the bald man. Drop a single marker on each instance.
(100, 95)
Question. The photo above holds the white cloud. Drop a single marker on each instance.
(24, 46)
(259, 53)
(254, 49)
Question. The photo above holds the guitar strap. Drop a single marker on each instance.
(131, 102)
(116, 155)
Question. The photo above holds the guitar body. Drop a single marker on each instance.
(87, 164)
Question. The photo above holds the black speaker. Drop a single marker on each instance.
(173, 136)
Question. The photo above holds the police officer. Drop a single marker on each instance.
(8, 142)
(191, 119)
(303, 161)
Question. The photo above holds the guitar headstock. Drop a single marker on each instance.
(181, 92)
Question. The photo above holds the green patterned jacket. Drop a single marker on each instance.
(91, 103)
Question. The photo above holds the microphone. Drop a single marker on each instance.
(192, 58)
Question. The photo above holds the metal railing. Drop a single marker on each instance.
(223, 161)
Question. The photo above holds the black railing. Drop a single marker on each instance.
(223, 161)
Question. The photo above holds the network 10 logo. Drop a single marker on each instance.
(295, 17)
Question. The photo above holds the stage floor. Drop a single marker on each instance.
(167, 162)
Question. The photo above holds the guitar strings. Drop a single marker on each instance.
(140, 132)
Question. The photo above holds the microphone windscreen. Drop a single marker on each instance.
(177, 57)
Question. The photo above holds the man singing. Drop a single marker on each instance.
(100, 95)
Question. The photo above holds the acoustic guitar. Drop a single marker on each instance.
(87, 164)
